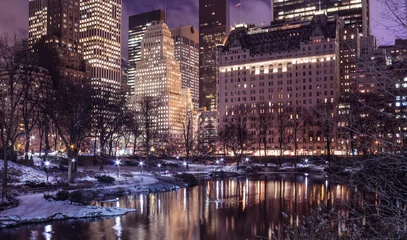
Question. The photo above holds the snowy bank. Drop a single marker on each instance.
(35, 208)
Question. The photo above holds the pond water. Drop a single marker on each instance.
(235, 208)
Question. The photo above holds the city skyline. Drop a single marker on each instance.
(14, 16)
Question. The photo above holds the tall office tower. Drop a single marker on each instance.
(37, 20)
(100, 34)
(354, 12)
(213, 29)
(349, 57)
(186, 40)
(55, 23)
(300, 67)
(137, 27)
(158, 74)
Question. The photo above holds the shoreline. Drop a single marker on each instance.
(34, 208)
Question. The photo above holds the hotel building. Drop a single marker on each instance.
(294, 64)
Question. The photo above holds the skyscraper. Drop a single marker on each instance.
(137, 27)
(186, 40)
(213, 27)
(158, 75)
(100, 34)
(354, 12)
(37, 20)
(55, 23)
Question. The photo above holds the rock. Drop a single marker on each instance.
(188, 178)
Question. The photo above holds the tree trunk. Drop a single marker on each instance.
(134, 146)
(69, 151)
(5, 168)
(27, 145)
(328, 146)
(47, 147)
(41, 136)
(102, 151)
(265, 150)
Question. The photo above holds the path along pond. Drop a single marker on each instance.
(233, 208)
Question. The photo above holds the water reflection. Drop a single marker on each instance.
(221, 209)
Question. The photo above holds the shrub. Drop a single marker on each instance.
(105, 179)
(83, 197)
(35, 184)
(62, 195)
(76, 196)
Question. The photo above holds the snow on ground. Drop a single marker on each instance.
(27, 173)
(35, 208)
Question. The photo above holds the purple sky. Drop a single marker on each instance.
(14, 15)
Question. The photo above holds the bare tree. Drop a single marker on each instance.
(396, 12)
(224, 136)
(16, 70)
(236, 123)
(324, 120)
(108, 118)
(297, 122)
(189, 134)
(147, 108)
(263, 122)
(281, 124)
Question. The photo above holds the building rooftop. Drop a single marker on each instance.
(280, 37)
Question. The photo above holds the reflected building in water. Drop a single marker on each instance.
(230, 208)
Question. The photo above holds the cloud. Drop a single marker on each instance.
(14, 17)
(253, 12)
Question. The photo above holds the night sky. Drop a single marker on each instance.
(14, 15)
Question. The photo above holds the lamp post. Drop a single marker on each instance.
(46, 168)
(159, 167)
(118, 167)
(306, 161)
(247, 160)
(141, 167)
(73, 163)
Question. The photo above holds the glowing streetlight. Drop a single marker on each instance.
(177, 157)
(185, 164)
(217, 162)
(247, 160)
(159, 165)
